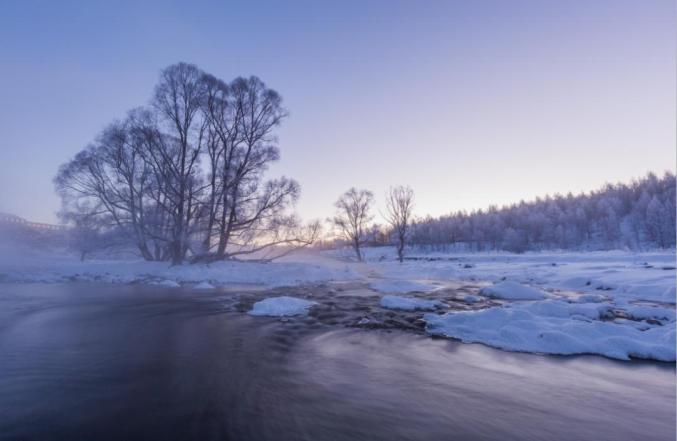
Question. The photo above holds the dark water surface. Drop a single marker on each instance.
(107, 362)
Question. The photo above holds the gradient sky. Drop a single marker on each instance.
(469, 102)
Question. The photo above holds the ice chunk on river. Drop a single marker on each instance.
(281, 306)
(512, 291)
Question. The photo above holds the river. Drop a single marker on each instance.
(127, 362)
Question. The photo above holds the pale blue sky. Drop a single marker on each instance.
(469, 102)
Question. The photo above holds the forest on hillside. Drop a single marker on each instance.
(638, 216)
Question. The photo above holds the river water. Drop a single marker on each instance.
(123, 362)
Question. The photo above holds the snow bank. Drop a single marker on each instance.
(401, 286)
(281, 306)
(512, 291)
(557, 327)
(639, 312)
(617, 275)
(58, 269)
(409, 303)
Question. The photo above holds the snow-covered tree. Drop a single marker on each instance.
(353, 216)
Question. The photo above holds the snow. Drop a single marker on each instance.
(638, 312)
(401, 286)
(556, 327)
(50, 268)
(469, 298)
(617, 304)
(204, 285)
(281, 307)
(409, 303)
(512, 291)
(619, 275)
(590, 298)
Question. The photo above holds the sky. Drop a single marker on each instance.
(471, 103)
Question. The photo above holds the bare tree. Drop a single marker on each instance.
(352, 217)
(185, 177)
(249, 214)
(110, 180)
(178, 97)
(399, 205)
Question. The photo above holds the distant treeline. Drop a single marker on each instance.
(639, 215)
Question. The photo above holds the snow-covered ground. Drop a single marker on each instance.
(622, 276)
(49, 268)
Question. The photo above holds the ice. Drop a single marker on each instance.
(556, 327)
(401, 286)
(512, 291)
(409, 303)
(204, 285)
(281, 306)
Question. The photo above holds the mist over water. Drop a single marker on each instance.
(97, 361)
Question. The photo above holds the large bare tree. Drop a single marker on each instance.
(178, 97)
(352, 216)
(399, 206)
(185, 177)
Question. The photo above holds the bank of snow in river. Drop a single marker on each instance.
(281, 306)
(58, 269)
(512, 291)
(409, 303)
(558, 327)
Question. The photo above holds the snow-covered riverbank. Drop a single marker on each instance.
(46, 268)
(617, 304)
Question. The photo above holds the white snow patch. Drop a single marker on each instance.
(401, 286)
(59, 269)
(512, 291)
(281, 306)
(556, 327)
(409, 303)
(638, 312)
(590, 298)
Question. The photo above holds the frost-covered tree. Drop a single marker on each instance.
(352, 217)
(399, 206)
(638, 215)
